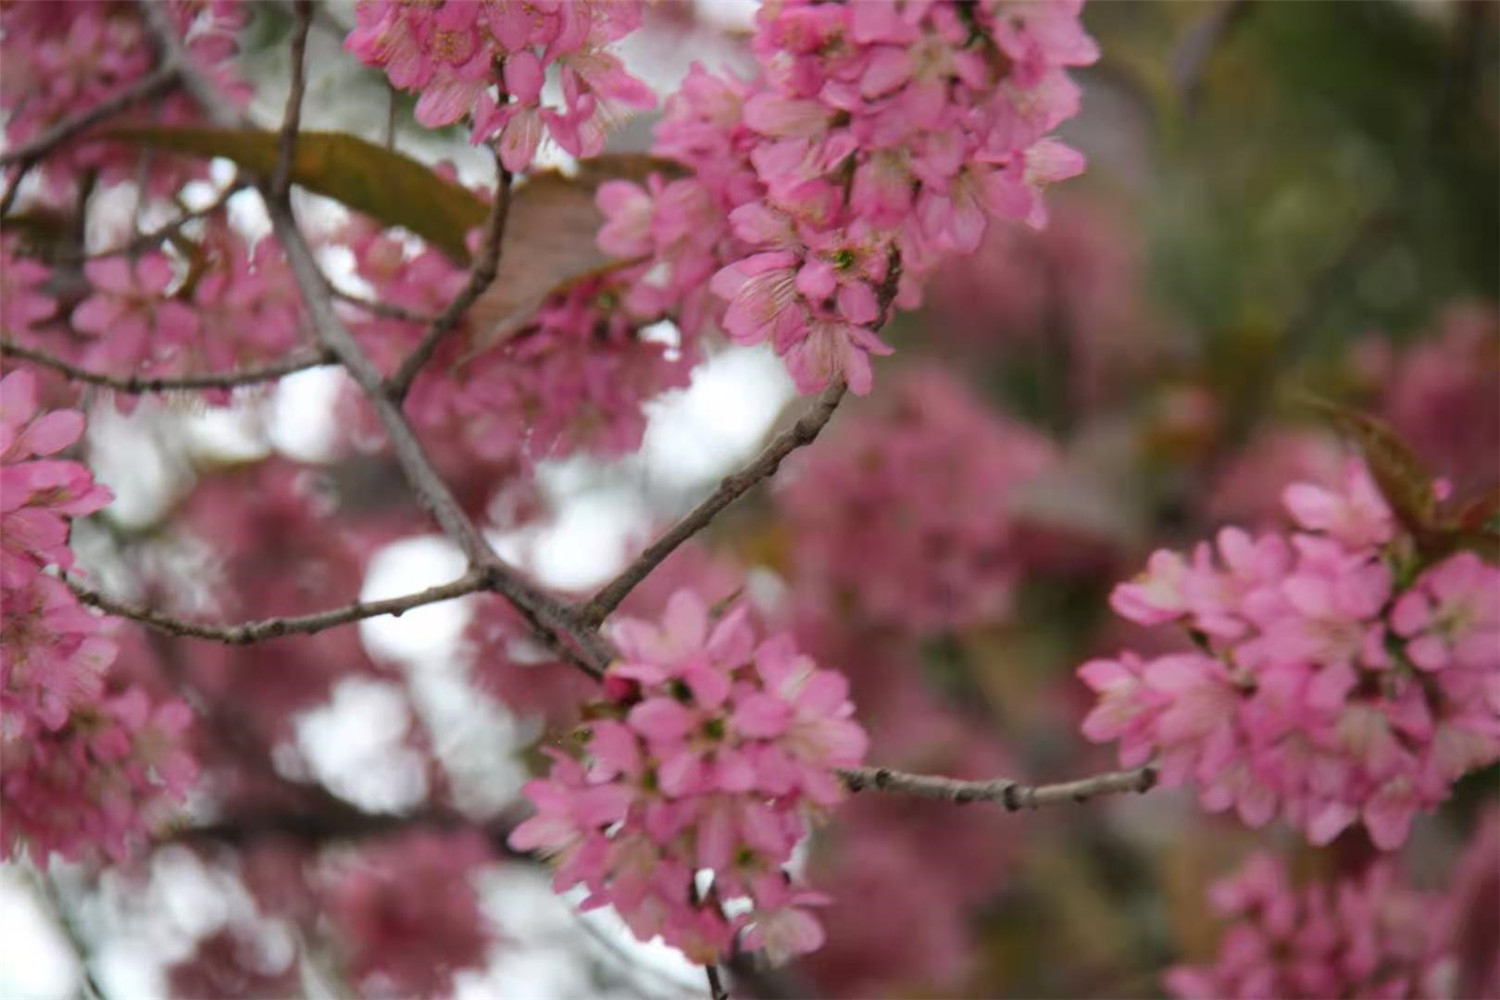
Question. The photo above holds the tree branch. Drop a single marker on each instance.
(291, 121)
(542, 610)
(731, 488)
(245, 633)
(1011, 794)
(716, 990)
(25, 155)
(385, 309)
(486, 267)
(135, 384)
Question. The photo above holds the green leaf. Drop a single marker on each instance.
(379, 182)
(1404, 481)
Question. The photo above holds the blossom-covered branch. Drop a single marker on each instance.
(730, 489)
(29, 153)
(1013, 795)
(271, 628)
(135, 384)
(541, 609)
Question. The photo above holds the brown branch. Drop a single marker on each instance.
(716, 990)
(588, 650)
(145, 241)
(25, 155)
(245, 633)
(136, 384)
(291, 121)
(385, 309)
(486, 266)
(731, 488)
(1011, 794)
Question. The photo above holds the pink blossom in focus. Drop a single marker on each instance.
(487, 63)
(714, 757)
(1330, 688)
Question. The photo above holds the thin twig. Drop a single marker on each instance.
(486, 266)
(145, 241)
(135, 384)
(67, 923)
(384, 309)
(1011, 794)
(291, 122)
(158, 80)
(731, 488)
(270, 628)
(716, 988)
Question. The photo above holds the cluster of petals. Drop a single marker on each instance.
(63, 58)
(877, 136)
(488, 62)
(1365, 936)
(711, 753)
(100, 782)
(39, 494)
(408, 912)
(575, 379)
(1342, 676)
(932, 475)
(82, 764)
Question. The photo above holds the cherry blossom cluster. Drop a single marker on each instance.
(878, 135)
(408, 912)
(488, 62)
(574, 379)
(712, 752)
(65, 57)
(230, 304)
(1365, 936)
(932, 475)
(1342, 676)
(85, 762)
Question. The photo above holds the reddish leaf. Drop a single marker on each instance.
(1404, 481)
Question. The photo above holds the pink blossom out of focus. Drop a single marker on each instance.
(1367, 936)
(904, 518)
(63, 57)
(714, 754)
(1338, 682)
(487, 63)
(408, 912)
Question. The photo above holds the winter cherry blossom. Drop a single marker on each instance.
(1363, 936)
(932, 474)
(574, 379)
(38, 493)
(408, 912)
(713, 751)
(876, 137)
(487, 62)
(63, 57)
(1339, 680)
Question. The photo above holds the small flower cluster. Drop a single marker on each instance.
(63, 58)
(81, 764)
(488, 61)
(1340, 678)
(1369, 936)
(877, 133)
(932, 475)
(408, 912)
(574, 379)
(711, 754)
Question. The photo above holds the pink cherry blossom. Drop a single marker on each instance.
(714, 756)
(1369, 935)
(487, 63)
(1327, 690)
